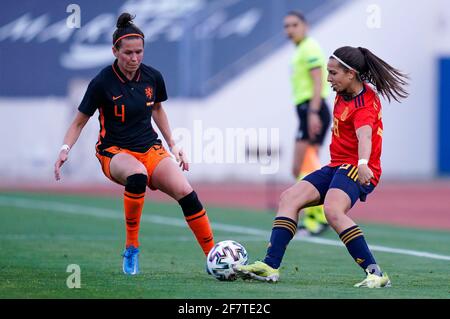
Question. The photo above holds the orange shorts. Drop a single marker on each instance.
(150, 159)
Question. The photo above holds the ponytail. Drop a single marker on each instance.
(388, 81)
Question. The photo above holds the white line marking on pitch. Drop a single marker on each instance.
(113, 214)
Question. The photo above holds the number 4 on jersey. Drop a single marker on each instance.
(122, 112)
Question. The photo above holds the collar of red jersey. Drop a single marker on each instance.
(122, 76)
(348, 97)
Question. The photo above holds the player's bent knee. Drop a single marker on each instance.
(290, 199)
(182, 191)
(185, 190)
(136, 183)
(190, 204)
(332, 214)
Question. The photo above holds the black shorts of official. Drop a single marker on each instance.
(343, 177)
(325, 117)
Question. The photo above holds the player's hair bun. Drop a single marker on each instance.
(125, 28)
(124, 20)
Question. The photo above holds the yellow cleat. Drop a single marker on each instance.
(311, 227)
(317, 213)
(313, 222)
(258, 271)
(374, 281)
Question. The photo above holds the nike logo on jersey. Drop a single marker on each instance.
(117, 97)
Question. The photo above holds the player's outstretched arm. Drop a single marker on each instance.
(70, 138)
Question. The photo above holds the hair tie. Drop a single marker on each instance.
(345, 64)
(128, 35)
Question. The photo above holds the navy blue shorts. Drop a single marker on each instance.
(343, 177)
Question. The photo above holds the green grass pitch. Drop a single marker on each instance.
(41, 234)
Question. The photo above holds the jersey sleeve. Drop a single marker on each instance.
(161, 93)
(92, 98)
(367, 115)
(313, 56)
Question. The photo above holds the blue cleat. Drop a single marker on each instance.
(130, 264)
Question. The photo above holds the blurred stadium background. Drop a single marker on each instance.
(226, 66)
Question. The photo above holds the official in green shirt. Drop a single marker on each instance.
(306, 62)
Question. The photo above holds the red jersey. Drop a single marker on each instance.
(348, 116)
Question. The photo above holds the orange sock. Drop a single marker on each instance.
(199, 224)
(133, 204)
(198, 221)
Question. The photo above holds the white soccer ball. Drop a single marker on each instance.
(223, 257)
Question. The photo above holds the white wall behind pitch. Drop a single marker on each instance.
(410, 37)
(405, 39)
